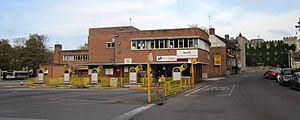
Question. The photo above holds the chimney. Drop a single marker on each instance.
(227, 36)
(211, 31)
(57, 47)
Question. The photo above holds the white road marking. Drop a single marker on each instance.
(197, 90)
(231, 90)
(130, 114)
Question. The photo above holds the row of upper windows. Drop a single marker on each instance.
(75, 57)
(169, 44)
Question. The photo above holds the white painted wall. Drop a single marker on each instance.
(216, 42)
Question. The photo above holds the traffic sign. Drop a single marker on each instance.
(150, 57)
(194, 61)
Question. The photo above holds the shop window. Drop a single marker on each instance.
(109, 71)
(126, 69)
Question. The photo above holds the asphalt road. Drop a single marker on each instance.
(81, 104)
(240, 97)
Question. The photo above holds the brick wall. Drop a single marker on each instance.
(97, 43)
(214, 70)
(123, 44)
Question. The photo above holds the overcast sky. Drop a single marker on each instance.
(67, 21)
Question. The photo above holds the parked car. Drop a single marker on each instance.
(271, 74)
(295, 81)
(286, 75)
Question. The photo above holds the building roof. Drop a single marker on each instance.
(228, 43)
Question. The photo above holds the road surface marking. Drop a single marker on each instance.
(231, 90)
(130, 114)
(197, 90)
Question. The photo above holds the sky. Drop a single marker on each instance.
(67, 21)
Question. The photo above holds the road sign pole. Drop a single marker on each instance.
(148, 79)
(193, 75)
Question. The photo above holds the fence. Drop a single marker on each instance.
(172, 87)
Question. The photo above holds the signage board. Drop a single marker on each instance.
(176, 74)
(66, 78)
(94, 78)
(187, 54)
(217, 59)
(132, 77)
(166, 58)
(127, 60)
(41, 77)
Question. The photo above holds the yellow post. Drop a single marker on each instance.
(185, 84)
(148, 76)
(193, 75)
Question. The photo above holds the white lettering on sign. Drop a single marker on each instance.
(166, 58)
(187, 53)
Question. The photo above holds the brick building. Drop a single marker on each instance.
(229, 53)
(118, 49)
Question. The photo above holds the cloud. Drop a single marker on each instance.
(67, 21)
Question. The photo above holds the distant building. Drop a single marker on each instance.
(241, 42)
(292, 40)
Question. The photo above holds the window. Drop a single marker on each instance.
(75, 57)
(161, 43)
(180, 43)
(156, 44)
(191, 43)
(110, 45)
(133, 45)
(185, 43)
(109, 71)
(171, 44)
(176, 43)
(152, 44)
(196, 43)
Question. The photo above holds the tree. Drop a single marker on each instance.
(84, 47)
(35, 52)
(18, 47)
(5, 55)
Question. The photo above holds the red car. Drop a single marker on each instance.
(270, 74)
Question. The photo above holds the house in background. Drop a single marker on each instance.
(225, 52)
